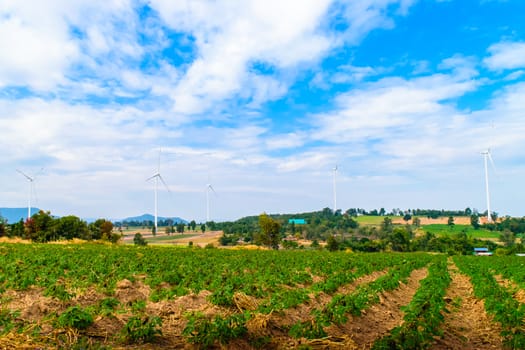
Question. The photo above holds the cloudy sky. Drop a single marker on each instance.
(262, 99)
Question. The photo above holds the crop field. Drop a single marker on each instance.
(109, 297)
(443, 230)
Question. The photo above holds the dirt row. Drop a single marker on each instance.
(466, 324)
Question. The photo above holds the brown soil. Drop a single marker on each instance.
(466, 325)
(379, 319)
(197, 238)
(302, 312)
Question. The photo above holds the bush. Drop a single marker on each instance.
(139, 329)
(139, 240)
(75, 317)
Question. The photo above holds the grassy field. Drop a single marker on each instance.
(369, 220)
(443, 229)
(169, 238)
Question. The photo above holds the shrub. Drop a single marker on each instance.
(139, 240)
(145, 329)
(75, 317)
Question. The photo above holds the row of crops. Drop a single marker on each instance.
(499, 299)
(245, 288)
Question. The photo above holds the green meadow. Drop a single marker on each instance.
(444, 229)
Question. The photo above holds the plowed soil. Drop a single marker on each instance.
(379, 319)
(466, 325)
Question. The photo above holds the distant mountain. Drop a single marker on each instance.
(13, 215)
(149, 217)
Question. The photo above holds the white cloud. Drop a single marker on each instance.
(36, 48)
(283, 35)
(506, 55)
(365, 16)
(290, 140)
(276, 33)
(389, 103)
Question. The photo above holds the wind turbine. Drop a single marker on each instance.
(31, 180)
(209, 188)
(487, 157)
(157, 177)
(335, 188)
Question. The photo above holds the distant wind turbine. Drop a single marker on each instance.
(209, 188)
(335, 189)
(157, 177)
(31, 180)
(487, 157)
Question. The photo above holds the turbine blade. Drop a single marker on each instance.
(164, 183)
(152, 177)
(492, 163)
(211, 188)
(39, 173)
(26, 176)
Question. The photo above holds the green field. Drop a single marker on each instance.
(173, 237)
(98, 296)
(443, 229)
(369, 220)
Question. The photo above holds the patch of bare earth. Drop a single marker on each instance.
(466, 325)
(378, 320)
(31, 303)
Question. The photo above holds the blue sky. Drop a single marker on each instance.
(262, 99)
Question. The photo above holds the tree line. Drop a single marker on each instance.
(340, 231)
(43, 227)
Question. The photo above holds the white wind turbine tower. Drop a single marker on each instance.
(31, 180)
(335, 188)
(487, 157)
(209, 188)
(157, 177)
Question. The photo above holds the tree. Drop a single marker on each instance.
(450, 221)
(203, 228)
(139, 240)
(70, 227)
(2, 227)
(332, 244)
(387, 226)
(400, 239)
(468, 211)
(270, 230)
(180, 227)
(474, 221)
(507, 238)
(39, 227)
(193, 224)
(416, 221)
(407, 217)
(103, 229)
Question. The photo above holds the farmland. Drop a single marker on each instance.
(104, 296)
(442, 229)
